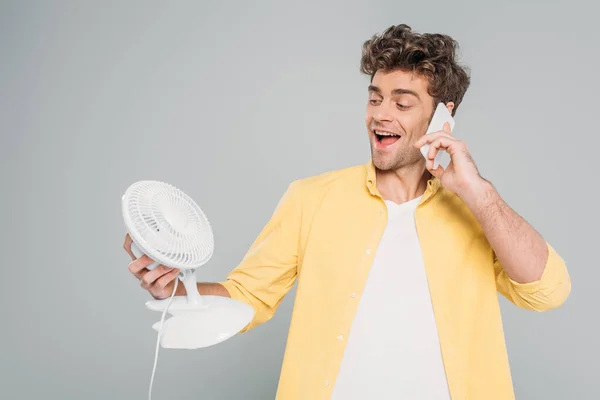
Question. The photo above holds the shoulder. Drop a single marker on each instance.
(323, 182)
(308, 192)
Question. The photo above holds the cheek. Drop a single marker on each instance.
(416, 130)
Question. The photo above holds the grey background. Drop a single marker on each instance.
(230, 102)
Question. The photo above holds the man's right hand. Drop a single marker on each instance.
(159, 281)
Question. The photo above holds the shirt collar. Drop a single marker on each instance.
(433, 184)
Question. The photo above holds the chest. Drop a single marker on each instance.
(347, 239)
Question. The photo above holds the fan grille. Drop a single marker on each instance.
(167, 224)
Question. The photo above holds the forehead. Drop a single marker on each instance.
(398, 79)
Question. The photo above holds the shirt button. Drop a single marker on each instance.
(353, 295)
(341, 337)
(368, 251)
(326, 383)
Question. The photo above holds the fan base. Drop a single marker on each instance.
(194, 326)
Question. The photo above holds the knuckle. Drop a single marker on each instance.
(146, 281)
(163, 282)
(160, 283)
(162, 268)
(158, 294)
(134, 267)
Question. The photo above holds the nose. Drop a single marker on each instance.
(383, 112)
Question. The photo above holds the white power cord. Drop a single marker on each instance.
(158, 338)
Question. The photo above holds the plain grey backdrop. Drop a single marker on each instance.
(231, 101)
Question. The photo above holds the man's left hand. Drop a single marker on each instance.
(462, 173)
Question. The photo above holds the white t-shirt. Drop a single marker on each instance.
(393, 350)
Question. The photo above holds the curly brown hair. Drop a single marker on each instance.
(431, 55)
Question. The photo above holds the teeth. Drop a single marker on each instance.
(380, 133)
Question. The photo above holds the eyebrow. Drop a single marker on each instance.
(395, 91)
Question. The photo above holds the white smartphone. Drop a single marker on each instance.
(440, 117)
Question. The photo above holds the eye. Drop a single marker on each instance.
(402, 106)
(373, 102)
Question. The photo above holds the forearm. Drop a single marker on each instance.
(521, 250)
(205, 289)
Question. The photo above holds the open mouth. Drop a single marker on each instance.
(385, 139)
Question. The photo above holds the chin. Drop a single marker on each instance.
(392, 162)
(383, 163)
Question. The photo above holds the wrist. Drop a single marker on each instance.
(478, 193)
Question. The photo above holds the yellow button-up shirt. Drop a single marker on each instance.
(324, 234)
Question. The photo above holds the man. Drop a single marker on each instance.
(398, 265)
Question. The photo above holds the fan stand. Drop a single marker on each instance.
(199, 320)
(196, 321)
(188, 277)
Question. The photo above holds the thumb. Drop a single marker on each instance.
(447, 128)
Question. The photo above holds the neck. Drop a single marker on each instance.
(403, 184)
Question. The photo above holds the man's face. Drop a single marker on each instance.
(398, 114)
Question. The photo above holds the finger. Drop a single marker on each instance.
(451, 145)
(140, 264)
(127, 246)
(429, 163)
(434, 147)
(430, 137)
(150, 278)
(140, 274)
(164, 280)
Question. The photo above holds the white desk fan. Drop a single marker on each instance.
(169, 227)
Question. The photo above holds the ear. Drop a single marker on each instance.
(450, 106)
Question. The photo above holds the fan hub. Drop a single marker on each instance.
(176, 218)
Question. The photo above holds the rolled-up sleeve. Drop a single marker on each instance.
(547, 293)
(269, 269)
